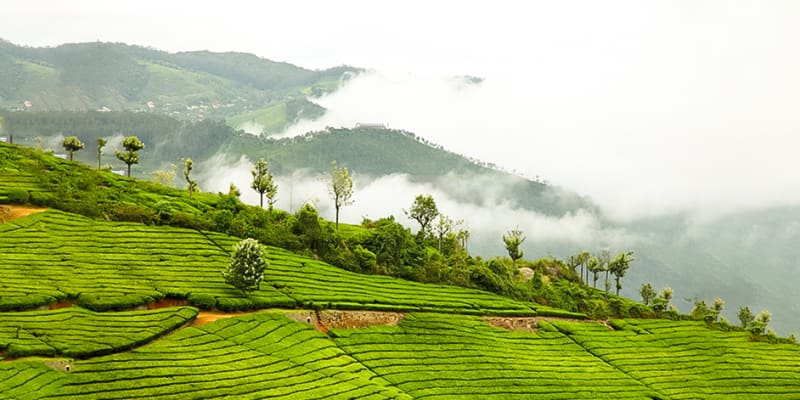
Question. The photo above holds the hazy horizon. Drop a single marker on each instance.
(650, 108)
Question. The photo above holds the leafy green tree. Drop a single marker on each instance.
(513, 240)
(463, 238)
(101, 142)
(445, 225)
(424, 211)
(130, 156)
(619, 267)
(71, 145)
(247, 266)
(191, 184)
(263, 183)
(340, 189)
(648, 293)
(661, 302)
(746, 317)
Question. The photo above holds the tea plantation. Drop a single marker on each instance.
(52, 256)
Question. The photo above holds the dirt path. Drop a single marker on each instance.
(10, 212)
(531, 324)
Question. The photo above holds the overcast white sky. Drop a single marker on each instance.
(649, 107)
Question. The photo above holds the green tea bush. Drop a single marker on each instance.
(203, 301)
(18, 196)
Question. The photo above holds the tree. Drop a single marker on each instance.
(648, 293)
(263, 183)
(512, 241)
(191, 184)
(444, 226)
(583, 258)
(661, 302)
(746, 317)
(247, 266)
(341, 189)
(605, 260)
(595, 266)
(165, 176)
(619, 267)
(759, 325)
(130, 156)
(423, 210)
(463, 238)
(101, 142)
(71, 145)
(234, 191)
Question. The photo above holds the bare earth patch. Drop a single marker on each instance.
(530, 324)
(9, 212)
(357, 319)
(206, 317)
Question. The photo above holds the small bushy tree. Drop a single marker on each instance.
(512, 241)
(424, 211)
(619, 267)
(130, 156)
(247, 266)
(746, 317)
(71, 145)
(648, 293)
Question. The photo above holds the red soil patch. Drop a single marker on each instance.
(167, 302)
(9, 212)
(62, 304)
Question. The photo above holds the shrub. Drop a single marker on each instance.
(203, 301)
(18, 196)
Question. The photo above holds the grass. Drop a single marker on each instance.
(272, 118)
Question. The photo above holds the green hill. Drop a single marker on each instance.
(442, 345)
(188, 85)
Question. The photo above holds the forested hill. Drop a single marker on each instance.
(367, 151)
(186, 85)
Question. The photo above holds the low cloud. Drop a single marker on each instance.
(486, 216)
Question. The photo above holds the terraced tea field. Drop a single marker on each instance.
(426, 356)
(438, 356)
(77, 332)
(262, 355)
(686, 360)
(52, 256)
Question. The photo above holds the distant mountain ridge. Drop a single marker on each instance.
(186, 85)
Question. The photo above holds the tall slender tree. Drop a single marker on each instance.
(340, 189)
(619, 267)
(263, 183)
(101, 142)
(191, 184)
